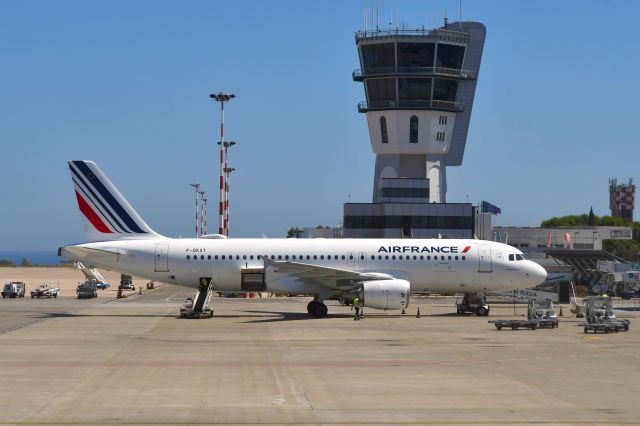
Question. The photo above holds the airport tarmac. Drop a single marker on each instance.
(264, 361)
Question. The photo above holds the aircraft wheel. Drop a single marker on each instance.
(311, 306)
(317, 309)
(482, 311)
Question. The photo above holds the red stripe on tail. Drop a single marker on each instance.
(92, 216)
(466, 249)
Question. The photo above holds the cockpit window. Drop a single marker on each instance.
(519, 257)
(512, 257)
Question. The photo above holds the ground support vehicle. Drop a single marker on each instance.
(126, 283)
(87, 290)
(45, 290)
(541, 309)
(198, 306)
(606, 326)
(515, 324)
(14, 289)
(473, 302)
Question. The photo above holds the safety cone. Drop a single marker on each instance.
(418, 314)
(403, 312)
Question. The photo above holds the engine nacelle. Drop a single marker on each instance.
(386, 294)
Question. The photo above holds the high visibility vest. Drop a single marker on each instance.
(356, 303)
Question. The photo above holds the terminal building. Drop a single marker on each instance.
(419, 87)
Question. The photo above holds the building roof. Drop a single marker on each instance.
(582, 260)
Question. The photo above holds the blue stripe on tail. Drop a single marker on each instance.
(115, 205)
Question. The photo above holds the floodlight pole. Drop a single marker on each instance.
(227, 171)
(196, 186)
(204, 200)
(222, 98)
(202, 211)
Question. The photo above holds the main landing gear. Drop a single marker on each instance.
(317, 309)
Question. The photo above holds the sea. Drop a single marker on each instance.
(45, 258)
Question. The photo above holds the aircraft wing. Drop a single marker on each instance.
(334, 278)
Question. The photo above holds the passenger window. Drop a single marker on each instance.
(216, 257)
(456, 257)
(464, 257)
(279, 257)
(315, 257)
(223, 257)
(322, 257)
(244, 257)
(343, 257)
(202, 257)
(286, 257)
(393, 257)
(251, 257)
(400, 257)
(188, 257)
(386, 257)
(421, 257)
(237, 257)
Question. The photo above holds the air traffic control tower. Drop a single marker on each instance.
(419, 86)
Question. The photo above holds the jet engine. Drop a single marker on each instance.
(386, 294)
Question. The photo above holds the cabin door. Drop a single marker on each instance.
(484, 258)
(162, 258)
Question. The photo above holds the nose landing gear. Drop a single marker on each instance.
(474, 302)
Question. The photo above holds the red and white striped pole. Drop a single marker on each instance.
(222, 160)
(222, 98)
(227, 171)
(202, 231)
(196, 186)
(204, 200)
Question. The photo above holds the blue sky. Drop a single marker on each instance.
(126, 84)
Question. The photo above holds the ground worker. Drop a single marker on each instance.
(140, 290)
(356, 306)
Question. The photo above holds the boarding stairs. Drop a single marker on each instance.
(203, 296)
(91, 273)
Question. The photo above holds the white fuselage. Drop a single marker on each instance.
(429, 265)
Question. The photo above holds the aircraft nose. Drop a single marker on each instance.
(537, 273)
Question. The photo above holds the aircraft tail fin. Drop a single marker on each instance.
(107, 214)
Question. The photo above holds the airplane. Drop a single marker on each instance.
(383, 273)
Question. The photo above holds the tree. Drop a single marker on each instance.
(4, 262)
(25, 262)
(626, 249)
(294, 232)
(592, 218)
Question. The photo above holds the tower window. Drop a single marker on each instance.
(383, 130)
(440, 136)
(413, 129)
(443, 119)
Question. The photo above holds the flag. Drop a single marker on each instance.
(490, 208)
